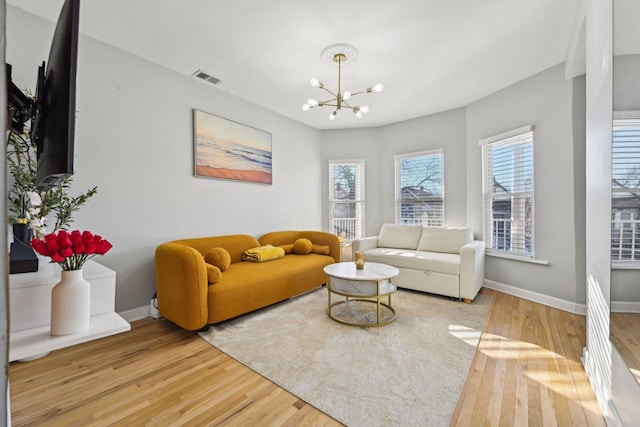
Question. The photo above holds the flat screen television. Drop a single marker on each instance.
(53, 111)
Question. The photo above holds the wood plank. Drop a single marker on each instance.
(526, 371)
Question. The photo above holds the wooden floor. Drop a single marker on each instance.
(527, 371)
(625, 335)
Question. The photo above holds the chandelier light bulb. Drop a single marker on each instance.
(377, 88)
(332, 116)
(312, 102)
(364, 109)
(314, 82)
(305, 107)
(346, 95)
(359, 114)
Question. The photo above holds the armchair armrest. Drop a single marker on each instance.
(471, 269)
(364, 244)
(181, 285)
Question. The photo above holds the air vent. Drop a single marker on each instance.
(206, 77)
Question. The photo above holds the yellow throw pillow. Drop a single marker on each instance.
(213, 273)
(322, 250)
(218, 257)
(302, 246)
(288, 249)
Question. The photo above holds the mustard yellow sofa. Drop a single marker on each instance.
(187, 297)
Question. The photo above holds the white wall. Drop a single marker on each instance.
(378, 146)
(134, 141)
(544, 101)
(446, 131)
(353, 144)
(597, 354)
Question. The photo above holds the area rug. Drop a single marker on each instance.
(407, 373)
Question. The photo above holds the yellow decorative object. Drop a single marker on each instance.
(288, 249)
(213, 274)
(218, 257)
(359, 260)
(263, 253)
(182, 280)
(302, 246)
(320, 249)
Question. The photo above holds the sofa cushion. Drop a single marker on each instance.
(288, 249)
(302, 247)
(320, 249)
(447, 240)
(213, 273)
(399, 236)
(219, 257)
(417, 260)
(248, 286)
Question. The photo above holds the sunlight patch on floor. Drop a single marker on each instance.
(467, 335)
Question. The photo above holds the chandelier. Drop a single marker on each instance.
(341, 55)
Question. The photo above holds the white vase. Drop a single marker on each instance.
(70, 304)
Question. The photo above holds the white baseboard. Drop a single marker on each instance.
(625, 307)
(554, 302)
(136, 313)
(145, 312)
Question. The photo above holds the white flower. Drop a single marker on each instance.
(38, 226)
(34, 198)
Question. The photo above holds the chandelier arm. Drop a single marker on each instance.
(332, 94)
(358, 93)
(320, 104)
(346, 105)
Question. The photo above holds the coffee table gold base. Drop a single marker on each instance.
(380, 319)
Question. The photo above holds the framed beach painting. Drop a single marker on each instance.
(226, 149)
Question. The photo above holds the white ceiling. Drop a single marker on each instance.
(431, 55)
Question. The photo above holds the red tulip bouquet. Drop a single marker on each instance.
(71, 250)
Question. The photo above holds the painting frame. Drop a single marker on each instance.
(229, 150)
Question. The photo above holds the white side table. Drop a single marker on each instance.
(345, 251)
(30, 307)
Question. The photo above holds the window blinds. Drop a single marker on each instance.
(508, 192)
(625, 191)
(420, 189)
(346, 198)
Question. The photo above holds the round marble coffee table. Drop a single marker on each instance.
(361, 288)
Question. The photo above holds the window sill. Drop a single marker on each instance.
(625, 265)
(513, 257)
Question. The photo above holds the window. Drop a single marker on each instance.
(625, 190)
(420, 189)
(346, 198)
(507, 181)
